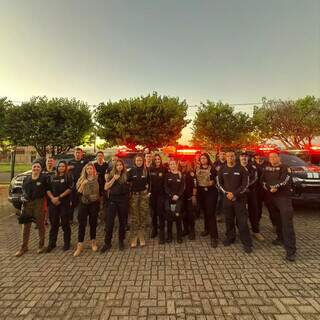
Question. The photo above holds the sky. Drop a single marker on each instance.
(236, 51)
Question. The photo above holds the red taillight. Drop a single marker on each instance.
(313, 169)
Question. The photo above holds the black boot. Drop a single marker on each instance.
(161, 237)
(185, 232)
(214, 242)
(192, 235)
(105, 248)
(204, 233)
(154, 233)
(66, 246)
(121, 245)
(50, 248)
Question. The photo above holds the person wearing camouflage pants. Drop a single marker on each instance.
(139, 180)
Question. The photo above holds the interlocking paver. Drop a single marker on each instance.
(187, 281)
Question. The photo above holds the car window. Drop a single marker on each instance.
(292, 161)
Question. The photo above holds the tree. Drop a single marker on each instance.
(294, 123)
(4, 105)
(217, 125)
(151, 121)
(50, 125)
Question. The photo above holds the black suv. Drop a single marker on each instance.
(15, 187)
(305, 178)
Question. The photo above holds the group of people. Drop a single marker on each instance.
(173, 193)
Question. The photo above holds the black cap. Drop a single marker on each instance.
(244, 153)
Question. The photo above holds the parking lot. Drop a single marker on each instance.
(187, 281)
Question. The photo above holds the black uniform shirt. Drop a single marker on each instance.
(35, 189)
(77, 168)
(233, 179)
(218, 164)
(59, 184)
(174, 184)
(157, 176)
(253, 176)
(276, 177)
(139, 179)
(101, 171)
(191, 184)
(118, 191)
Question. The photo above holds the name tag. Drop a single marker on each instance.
(62, 181)
(178, 180)
(38, 183)
(237, 173)
(160, 174)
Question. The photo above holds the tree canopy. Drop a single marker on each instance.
(151, 121)
(217, 125)
(50, 125)
(294, 122)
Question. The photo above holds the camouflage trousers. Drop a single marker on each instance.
(139, 211)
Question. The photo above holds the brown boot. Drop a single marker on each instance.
(94, 245)
(79, 249)
(20, 252)
(26, 228)
(141, 238)
(134, 241)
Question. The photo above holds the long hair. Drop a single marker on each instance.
(154, 162)
(188, 167)
(140, 155)
(84, 176)
(206, 155)
(123, 175)
(66, 167)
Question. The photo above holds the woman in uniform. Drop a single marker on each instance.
(60, 189)
(34, 190)
(88, 189)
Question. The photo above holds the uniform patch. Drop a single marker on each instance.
(38, 183)
(160, 174)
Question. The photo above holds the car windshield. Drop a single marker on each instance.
(292, 161)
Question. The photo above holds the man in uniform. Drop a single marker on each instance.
(233, 181)
(275, 180)
(75, 167)
(252, 194)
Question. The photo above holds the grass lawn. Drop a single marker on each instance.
(19, 167)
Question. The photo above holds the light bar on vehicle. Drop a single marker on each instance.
(187, 151)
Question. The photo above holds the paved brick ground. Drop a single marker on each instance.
(187, 281)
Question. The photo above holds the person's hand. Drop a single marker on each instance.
(230, 195)
(194, 201)
(175, 198)
(55, 201)
(273, 190)
(116, 176)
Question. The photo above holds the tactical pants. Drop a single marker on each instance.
(139, 211)
(88, 210)
(254, 215)
(174, 216)
(281, 209)
(208, 202)
(188, 216)
(34, 209)
(59, 215)
(236, 210)
(158, 214)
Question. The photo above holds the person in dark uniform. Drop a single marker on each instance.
(252, 195)
(276, 183)
(157, 174)
(118, 189)
(233, 181)
(139, 180)
(34, 190)
(220, 161)
(189, 199)
(174, 186)
(75, 167)
(60, 188)
(49, 171)
(208, 196)
(260, 163)
(102, 168)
